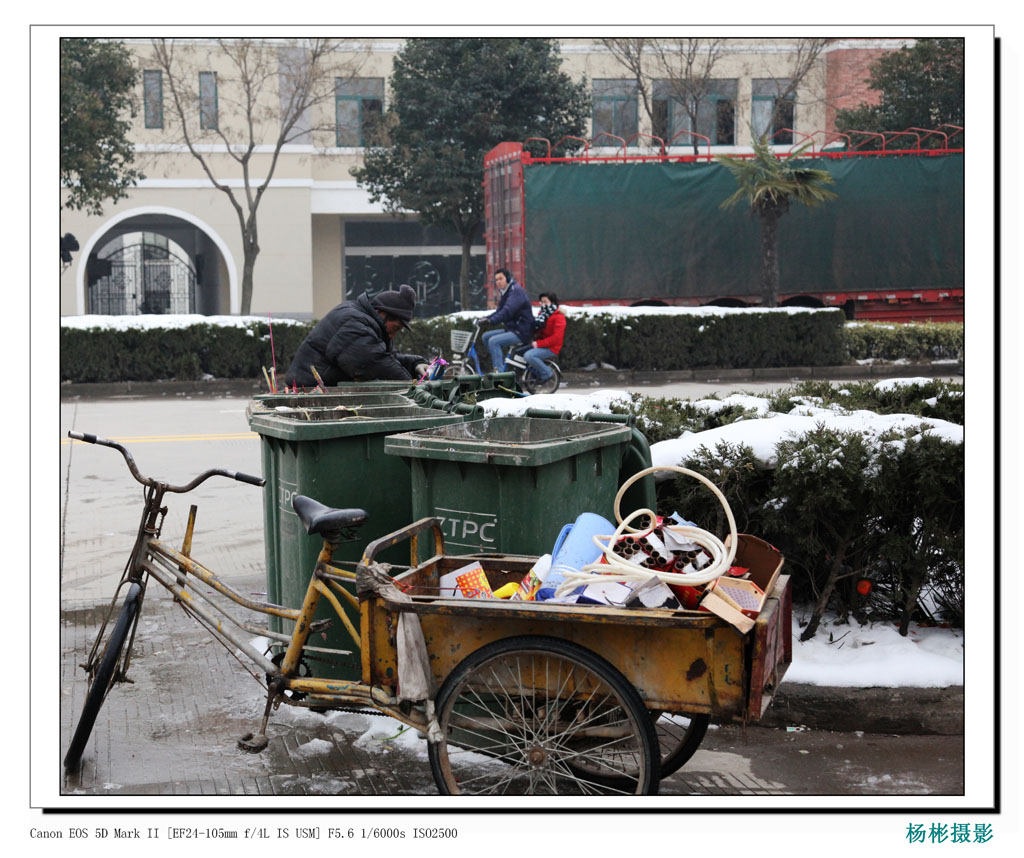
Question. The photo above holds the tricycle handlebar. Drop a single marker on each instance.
(149, 481)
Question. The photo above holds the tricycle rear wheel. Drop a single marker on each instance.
(679, 736)
(535, 715)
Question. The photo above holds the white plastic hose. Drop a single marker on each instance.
(617, 569)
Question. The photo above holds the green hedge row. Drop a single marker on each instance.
(185, 353)
(654, 342)
(641, 343)
(909, 341)
(843, 507)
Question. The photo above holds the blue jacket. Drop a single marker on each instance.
(515, 312)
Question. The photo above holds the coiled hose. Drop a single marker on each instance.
(617, 569)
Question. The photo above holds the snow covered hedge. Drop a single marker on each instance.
(152, 348)
(147, 348)
(858, 483)
(674, 338)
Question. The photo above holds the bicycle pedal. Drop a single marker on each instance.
(253, 743)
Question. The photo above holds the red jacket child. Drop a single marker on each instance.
(553, 332)
(550, 336)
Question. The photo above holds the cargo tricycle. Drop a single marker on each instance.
(513, 697)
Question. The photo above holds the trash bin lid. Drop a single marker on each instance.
(277, 401)
(324, 424)
(524, 441)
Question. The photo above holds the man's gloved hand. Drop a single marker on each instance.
(481, 321)
(421, 368)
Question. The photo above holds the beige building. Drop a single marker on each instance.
(174, 244)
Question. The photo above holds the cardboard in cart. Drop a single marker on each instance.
(610, 593)
(533, 580)
(744, 595)
(455, 584)
(474, 584)
(763, 562)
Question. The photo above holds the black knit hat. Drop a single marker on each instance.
(399, 304)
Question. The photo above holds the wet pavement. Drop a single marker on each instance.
(172, 731)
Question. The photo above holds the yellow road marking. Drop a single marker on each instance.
(157, 439)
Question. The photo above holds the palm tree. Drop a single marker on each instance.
(768, 182)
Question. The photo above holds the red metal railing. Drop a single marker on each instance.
(855, 143)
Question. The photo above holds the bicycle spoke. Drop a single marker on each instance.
(599, 788)
(549, 718)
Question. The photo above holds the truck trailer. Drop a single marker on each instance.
(633, 228)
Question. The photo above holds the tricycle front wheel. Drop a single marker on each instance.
(535, 715)
(104, 676)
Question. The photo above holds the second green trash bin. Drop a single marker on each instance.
(509, 484)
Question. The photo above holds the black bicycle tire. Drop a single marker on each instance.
(674, 759)
(608, 673)
(102, 678)
(531, 383)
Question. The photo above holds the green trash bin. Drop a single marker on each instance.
(509, 484)
(341, 463)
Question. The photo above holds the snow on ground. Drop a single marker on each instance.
(578, 403)
(852, 655)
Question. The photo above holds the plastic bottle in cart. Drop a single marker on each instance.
(574, 549)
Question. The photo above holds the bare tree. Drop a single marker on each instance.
(629, 53)
(268, 97)
(681, 69)
(686, 66)
(805, 61)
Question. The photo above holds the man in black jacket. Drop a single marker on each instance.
(353, 342)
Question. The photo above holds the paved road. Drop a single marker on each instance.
(172, 732)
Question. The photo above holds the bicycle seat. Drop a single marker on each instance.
(333, 524)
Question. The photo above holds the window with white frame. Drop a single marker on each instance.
(208, 101)
(614, 110)
(358, 109)
(716, 114)
(153, 98)
(770, 114)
